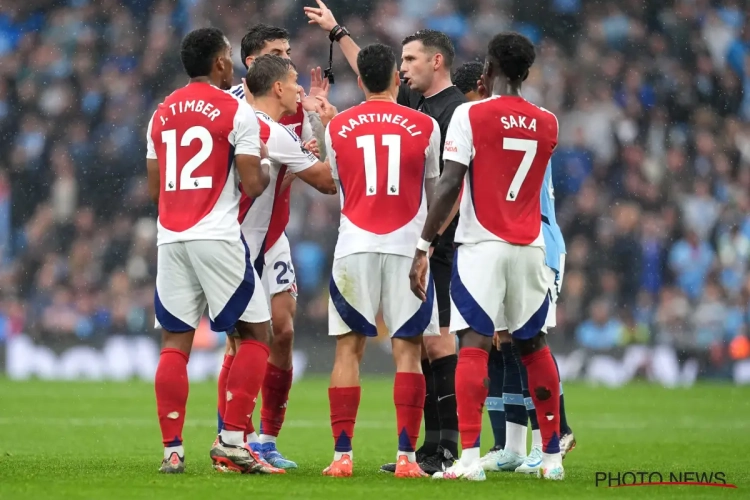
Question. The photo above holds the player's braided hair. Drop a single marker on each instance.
(199, 49)
(467, 76)
(514, 55)
(435, 40)
(265, 71)
(257, 36)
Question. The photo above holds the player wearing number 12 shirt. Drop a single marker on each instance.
(202, 144)
(386, 160)
(497, 149)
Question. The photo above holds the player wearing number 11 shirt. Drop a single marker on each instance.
(385, 159)
(497, 149)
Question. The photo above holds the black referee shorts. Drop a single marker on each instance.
(441, 266)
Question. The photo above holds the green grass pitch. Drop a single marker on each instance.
(101, 441)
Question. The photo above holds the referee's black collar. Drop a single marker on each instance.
(438, 92)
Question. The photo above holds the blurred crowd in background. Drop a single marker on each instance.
(652, 173)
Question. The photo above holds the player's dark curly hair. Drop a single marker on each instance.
(467, 76)
(199, 49)
(513, 54)
(265, 71)
(435, 40)
(376, 64)
(257, 36)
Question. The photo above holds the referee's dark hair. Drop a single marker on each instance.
(257, 36)
(434, 40)
(513, 54)
(467, 76)
(376, 64)
(199, 49)
(265, 71)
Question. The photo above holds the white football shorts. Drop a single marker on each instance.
(497, 286)
(362, 283)
(193, 274)
(554, 288)
(278, 272)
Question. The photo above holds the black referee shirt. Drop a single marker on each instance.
(441, 107)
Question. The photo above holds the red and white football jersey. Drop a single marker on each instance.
(300, 124)
(381, 153)
(506, 142)
(286, 153)
(195, 134)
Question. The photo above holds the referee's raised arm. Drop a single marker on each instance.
(323, 17)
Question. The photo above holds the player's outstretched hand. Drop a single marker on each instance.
(325, 109)
(319, 86)
(418, 275)
(309, 103)
(312, 146)
(321, 15)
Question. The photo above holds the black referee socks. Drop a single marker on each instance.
(431, 414)
(444, 374)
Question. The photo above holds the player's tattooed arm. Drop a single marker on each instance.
(152, 166)
(323, 17)
(319, 133)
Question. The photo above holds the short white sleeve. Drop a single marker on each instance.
(331, 153)
(150, 149)
(432, 154)
(245, 136)
(286, 148)
(459, 141)
(307, 131)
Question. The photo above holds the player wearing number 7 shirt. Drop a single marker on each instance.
(386, 160)
(202, 144)
(498, 150)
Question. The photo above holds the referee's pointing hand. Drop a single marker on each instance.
(322, 16)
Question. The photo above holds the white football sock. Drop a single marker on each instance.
(338, 454)
(252, 438)
(551, 460)
(536, 438)
(410, 456)
(469, 456)
(515, 438)
(265, 438)
(235, 438)
(171, 449)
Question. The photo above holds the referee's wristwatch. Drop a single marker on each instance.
(337, 33)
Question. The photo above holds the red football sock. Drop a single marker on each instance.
(171, 386)
(344, 403)
(471, 378)
(275, 392)
(408, 394)
(243, 383)
(544, 386)
(223, 375)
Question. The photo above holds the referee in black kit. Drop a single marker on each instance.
(426, 67)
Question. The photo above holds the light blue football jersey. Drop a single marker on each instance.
(553, 238)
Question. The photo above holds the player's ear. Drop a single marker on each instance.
(249, 61)
(359, 83)
(396, 79)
